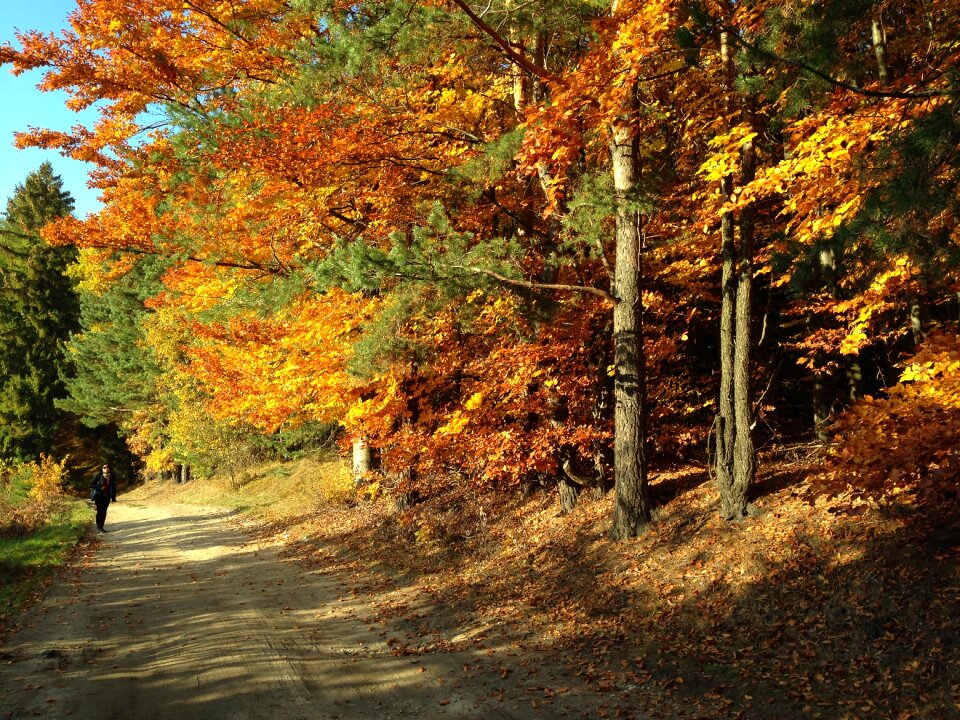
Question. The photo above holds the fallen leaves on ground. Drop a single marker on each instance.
(834, 607)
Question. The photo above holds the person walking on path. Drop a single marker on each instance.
(103, 489)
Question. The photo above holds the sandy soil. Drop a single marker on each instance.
(181, 614)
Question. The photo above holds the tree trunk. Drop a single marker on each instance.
(822, 394)
(361, 460)
(854, 379)
(744, 461)
(569, 496)
(916, 322)
(735, 463)
(879, 36)
(632, 504)
(822, 385)
(725, 424)
(632, 507)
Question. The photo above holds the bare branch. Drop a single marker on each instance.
(733, 34)
(529, 285)
(512, 54)
(237, 264)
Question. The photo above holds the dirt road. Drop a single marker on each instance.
(179, 614)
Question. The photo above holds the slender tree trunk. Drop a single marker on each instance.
(735, 463)
(725, 425)
(822, 382)
(822, 394)
(744, 462)
(520, 87)
(916, 322)
(632, 505)
(854, 379)
(880, 48)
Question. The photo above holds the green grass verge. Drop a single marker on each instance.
(27, 561)
(16, 489)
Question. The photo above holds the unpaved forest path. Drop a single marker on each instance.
(180, 614)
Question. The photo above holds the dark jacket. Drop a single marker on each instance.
(97, 490)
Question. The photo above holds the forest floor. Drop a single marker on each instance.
(486, 606)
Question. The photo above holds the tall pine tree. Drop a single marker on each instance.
(38, 311)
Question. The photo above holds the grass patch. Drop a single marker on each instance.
(267, 492)
(14, 489)
(28, 561)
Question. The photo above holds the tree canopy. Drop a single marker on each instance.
(518, 243)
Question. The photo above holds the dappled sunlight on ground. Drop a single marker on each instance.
(498, 605)
(813, 607)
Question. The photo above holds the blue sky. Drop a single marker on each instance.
(24, 105)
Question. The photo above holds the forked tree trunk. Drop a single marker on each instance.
(735, 463)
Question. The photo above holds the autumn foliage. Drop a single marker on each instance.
(400, 218)
(908, 439)
(44, 496)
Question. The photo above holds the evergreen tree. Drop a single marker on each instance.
(114, 370)
(38, 311)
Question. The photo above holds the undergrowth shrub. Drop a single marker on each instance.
(338, 487)
(22, 515)
(908, 440)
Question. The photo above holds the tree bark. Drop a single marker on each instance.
(361, 459)
(879, 36)
(632, 507)
(744, 462)
(603, 402)
(822, 394)
(854, 374)
(569, 494)
(725, 424)
(632, 504)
